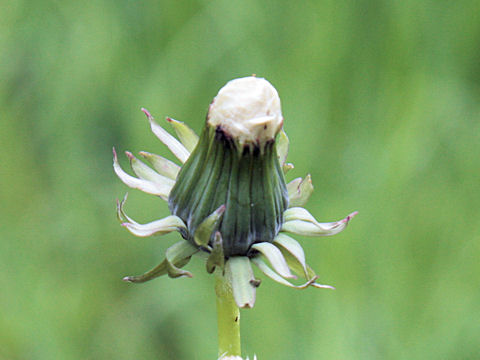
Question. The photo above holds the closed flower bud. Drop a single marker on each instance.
(235, 165)
(229, 199)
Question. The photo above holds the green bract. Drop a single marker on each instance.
(229, 200)
(247, 181)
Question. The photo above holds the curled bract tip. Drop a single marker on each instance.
(350, 217)
(146, 112)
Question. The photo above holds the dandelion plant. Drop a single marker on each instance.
(229, 201)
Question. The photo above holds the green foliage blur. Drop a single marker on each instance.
(381, 101)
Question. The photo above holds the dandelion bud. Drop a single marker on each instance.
(229, 198)
(235, 166)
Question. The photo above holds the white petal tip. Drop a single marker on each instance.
(248, 109)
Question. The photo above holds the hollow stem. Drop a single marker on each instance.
(228, 318)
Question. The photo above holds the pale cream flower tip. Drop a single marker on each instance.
(248, 109)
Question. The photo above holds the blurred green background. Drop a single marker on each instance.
(382, 106)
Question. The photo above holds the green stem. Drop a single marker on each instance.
(228, 317)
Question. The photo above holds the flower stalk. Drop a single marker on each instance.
(228, 318)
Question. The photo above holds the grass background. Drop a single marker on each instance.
(382, 106)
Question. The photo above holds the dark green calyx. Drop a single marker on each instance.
(247, 179)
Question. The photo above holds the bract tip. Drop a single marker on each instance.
(147, 113)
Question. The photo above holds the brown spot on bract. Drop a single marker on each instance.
(255, 282)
